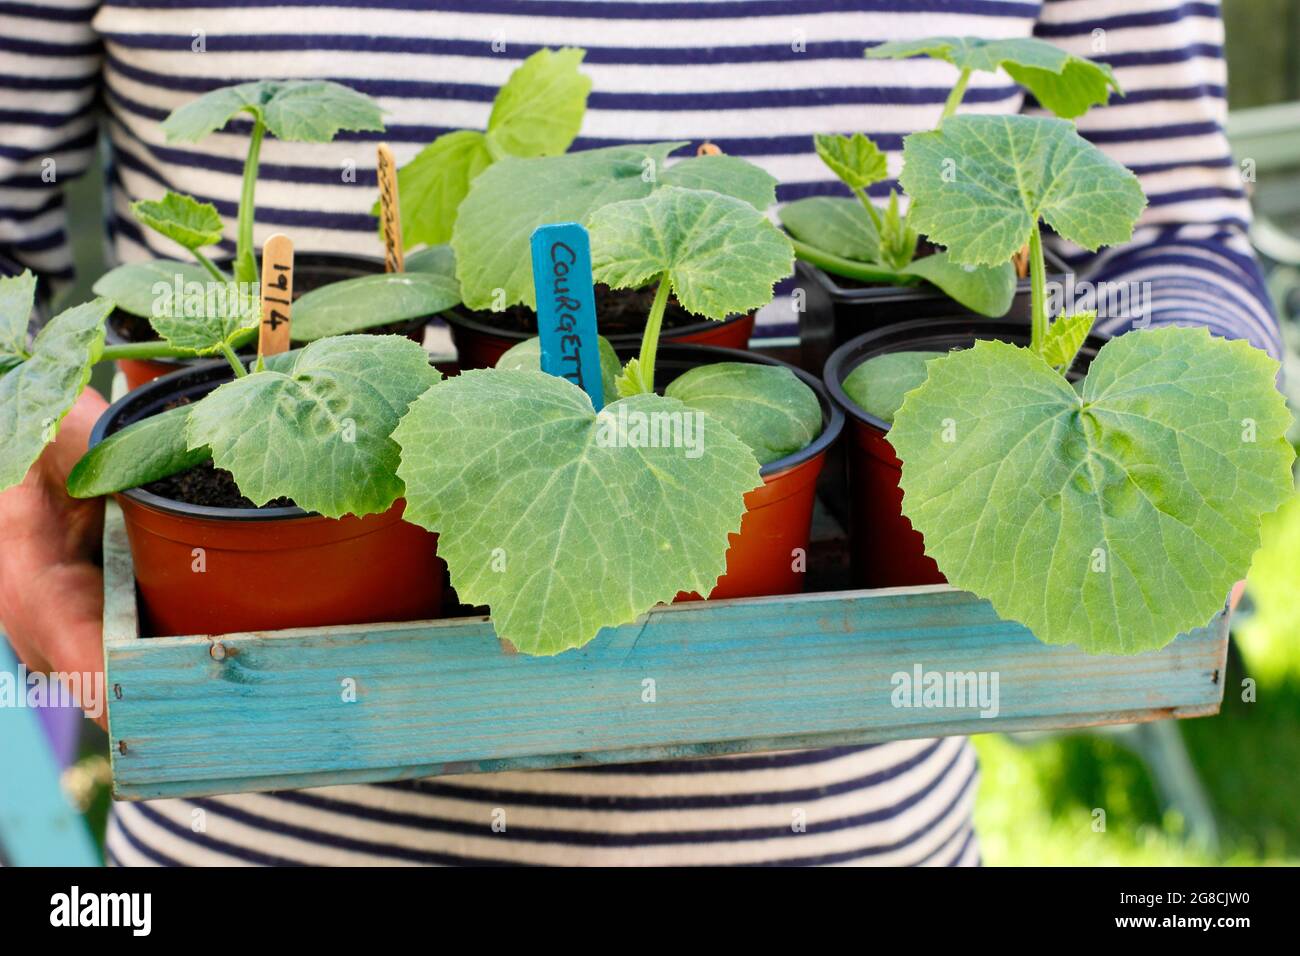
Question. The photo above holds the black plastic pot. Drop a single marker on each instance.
(886, 550)
(209, 570)
(835, 312)
(778, 516)
(481, 341)
(311, 271)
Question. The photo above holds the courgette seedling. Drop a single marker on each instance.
(537, 112)
(1114, 516)
(853, 239)
(1066, 84)
(337, 400)
(564, 520)
(302, 111)
(514, 196)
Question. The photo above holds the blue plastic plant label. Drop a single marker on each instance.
(566, 306)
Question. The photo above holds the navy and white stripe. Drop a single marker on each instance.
(895, 804)
(758, 77)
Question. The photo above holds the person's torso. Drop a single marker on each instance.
(757, 78)
(905, 803)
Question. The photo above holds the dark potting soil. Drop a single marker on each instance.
(208, 485)
(205, 484)
(133, 328)
(618, 312)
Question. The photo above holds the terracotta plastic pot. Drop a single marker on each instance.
(762, 558)
(886, 550)
(480, 342)
(206, 570)
(836, 310)
(311, 271)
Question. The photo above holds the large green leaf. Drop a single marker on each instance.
(145, 451)
(434, 184)
(437, 260)
(1113, 519)
(183, 303)
(143, 288)
(515, 196)
(181, 218)
(319, 431)
(878, 385)
(980, 185)
(855, 159)
(37, 392)
(834, 224)
(17, 298)
(304, 111)
(724, 174)
(545, 515)
(1066, 84)
(988, 290)
(837, 235)
(766, 406)
(539, 110)
(221, 314)
(721, 255)
(367, 301)
(528, 355)
(841, 228)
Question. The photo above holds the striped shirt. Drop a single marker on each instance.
(757, 77)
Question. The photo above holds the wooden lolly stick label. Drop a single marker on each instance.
(566, 307)
(390, 213)
(1021, 262)
(277, 295)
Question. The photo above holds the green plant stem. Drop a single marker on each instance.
(955, 97)
(233, 359)
(245, 263)
(654, 321)
(162, 350)
(1037, 291)
(850, 268)
(210, 266)
(871, 210)
(142, 350)
(898, 247)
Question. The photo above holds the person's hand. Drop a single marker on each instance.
(51, 586)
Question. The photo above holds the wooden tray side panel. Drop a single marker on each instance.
(298, 708)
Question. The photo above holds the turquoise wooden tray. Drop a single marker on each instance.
(192, 716)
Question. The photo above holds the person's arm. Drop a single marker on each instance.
(51, 589)
(1190, 260)
(49, 79)
(51, 585)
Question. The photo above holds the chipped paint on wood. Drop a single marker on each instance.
(729, 677)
